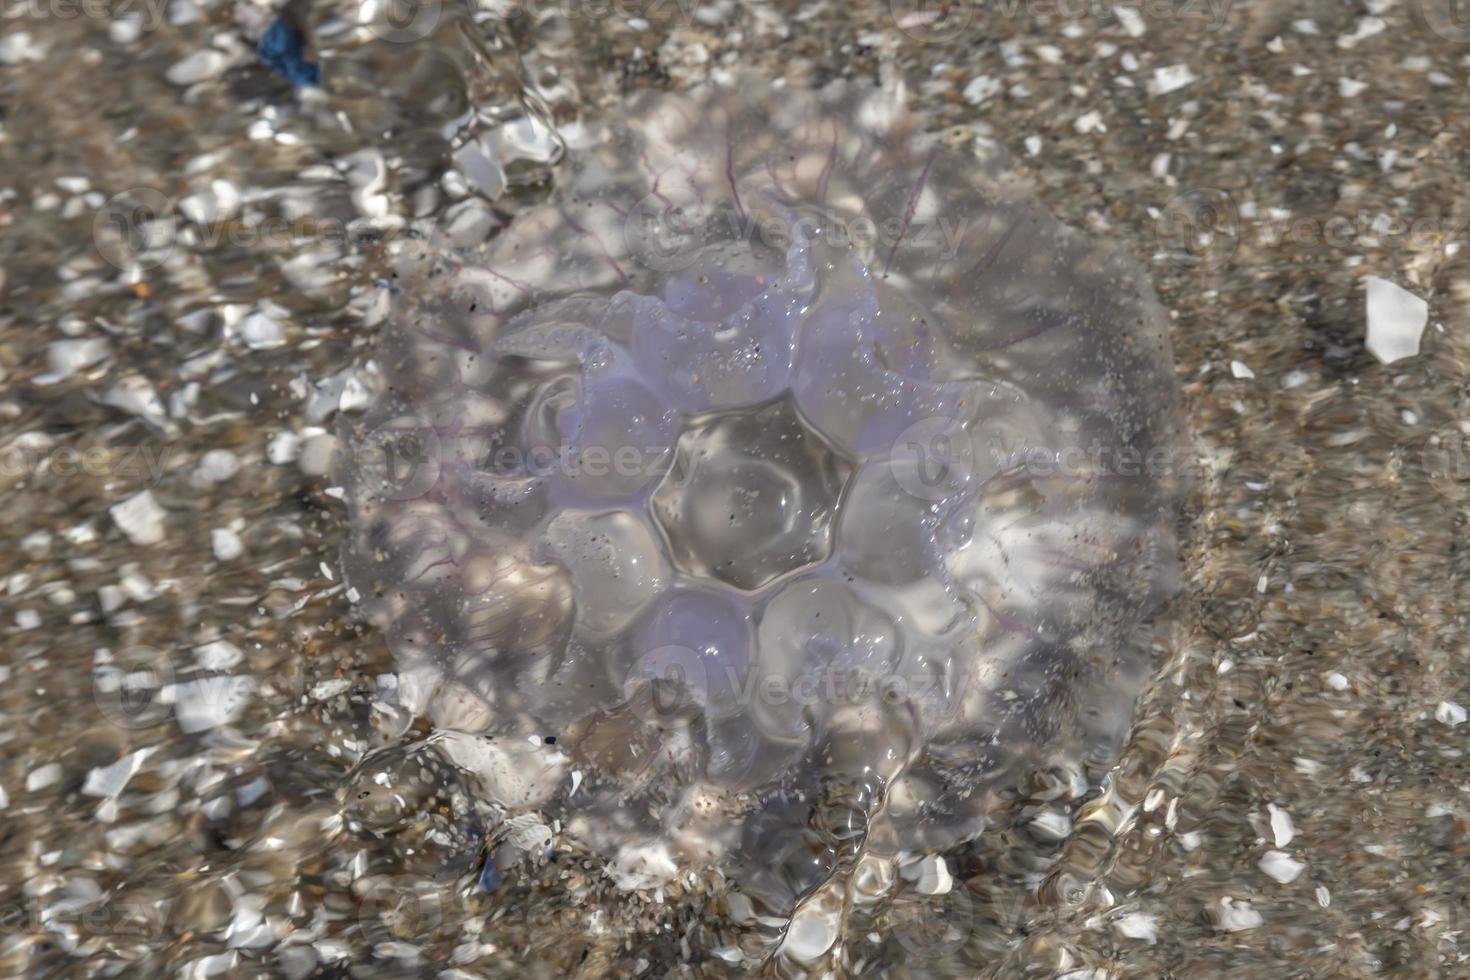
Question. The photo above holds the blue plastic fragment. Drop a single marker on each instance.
(489, 875)
(281, 48)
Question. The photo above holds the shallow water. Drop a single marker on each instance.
(214, 766)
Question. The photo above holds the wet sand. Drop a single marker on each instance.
(186, 691)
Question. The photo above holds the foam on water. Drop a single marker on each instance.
(787, 462)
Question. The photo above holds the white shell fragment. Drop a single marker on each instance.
(20, 46)
(67, 357)
(283, 448)
(1051, 825)
(136, 396)
(1233, 916)
(226, 544)
(210, 702)
(1170, 78)
(642, 866)
(1449, 713)
(1283, 829)
(930, 875)
(140, 518)
(812, 932)
(110, 781)
(1282, 866)
(1138, 925)
(515, 772)
(219, 202)
(43, 777)
(1396, 319)
(481, 169)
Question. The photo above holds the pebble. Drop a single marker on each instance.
(261, 331)
(315, 458)
(1396, 320)
(198, 67)
(111, 598)
(215, 466)
(125, 29)
(37, 543)
(218, 655)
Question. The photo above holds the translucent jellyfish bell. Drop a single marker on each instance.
(806, 463)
